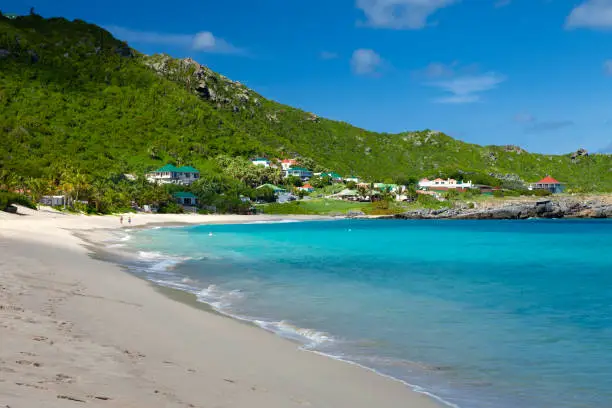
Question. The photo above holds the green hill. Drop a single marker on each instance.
(72, 95)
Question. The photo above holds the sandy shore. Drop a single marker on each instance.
(75, 330)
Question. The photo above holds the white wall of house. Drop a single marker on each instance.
(170, 177)
(448, 183)
(265, 163)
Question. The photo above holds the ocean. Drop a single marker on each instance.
(479, 314)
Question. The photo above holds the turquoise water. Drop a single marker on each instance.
(482, 314)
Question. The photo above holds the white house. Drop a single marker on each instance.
(261, 161)
(441, 184)
(354, 179)
(286, 164)
(170, 174)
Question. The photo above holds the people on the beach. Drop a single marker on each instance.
(130, 220)
(121, 220)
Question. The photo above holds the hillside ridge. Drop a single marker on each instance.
(71, 92)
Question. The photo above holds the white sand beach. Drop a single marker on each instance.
(78, 331)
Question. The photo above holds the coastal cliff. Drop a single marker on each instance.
(564, 207)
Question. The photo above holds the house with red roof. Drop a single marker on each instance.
(307, 188)
(286, 164)
(548, 183)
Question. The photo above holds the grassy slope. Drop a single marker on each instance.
(68, 94)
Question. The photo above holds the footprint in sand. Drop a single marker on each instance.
(29, 363)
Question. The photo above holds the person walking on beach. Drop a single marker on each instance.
(121, 220)
(130, 220)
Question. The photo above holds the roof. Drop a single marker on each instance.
(331, 174)
(548, 180)
(298, 169)
(260, 159)
(290, 161)
(307, 186)
(187, 169)
(272, 186)
(166, 168)
(184, 194)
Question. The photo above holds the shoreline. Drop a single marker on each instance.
(190, 299)
(42, 257)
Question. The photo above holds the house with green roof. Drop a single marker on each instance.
(170, 174)
(185, 198)
(300, 172)
(276, 189)
(335, 177)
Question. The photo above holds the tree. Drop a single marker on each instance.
(294, 181)
(38, 188)
(265, 193)
(410, 193)
(320, 182)
(362, 191)
(351, 185)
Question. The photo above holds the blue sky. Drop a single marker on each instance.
(536, 73)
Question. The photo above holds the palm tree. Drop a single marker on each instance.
(81, 184)
(98, 194)
(38, 188)
(66, 186)
(362, 191)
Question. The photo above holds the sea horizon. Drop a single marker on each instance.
(386, 295)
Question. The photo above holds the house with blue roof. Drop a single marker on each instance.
(170, 174)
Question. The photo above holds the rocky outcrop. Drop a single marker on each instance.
(578, 154)
(205, 83)
(554, 208)
(514, 149)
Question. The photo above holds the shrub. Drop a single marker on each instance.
(170, 208)
(7, 199)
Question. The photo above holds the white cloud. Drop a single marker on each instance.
(608, 67)
(203, 41)
(400, 14)
(591, 14)
(365, 61)
(328, 55)
(467, 89)
(437, 70)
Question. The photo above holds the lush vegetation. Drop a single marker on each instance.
(79, 109)
(7, 199)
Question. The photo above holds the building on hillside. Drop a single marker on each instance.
(11, 16)
(335, 177)
(392, 188)
(443, 185)
(300, 172)
(52, 200)
(354, 179)
(307, 188)
(170, 174)
(186, 199)
(547, 183)
(286, 164)
(261, 161)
